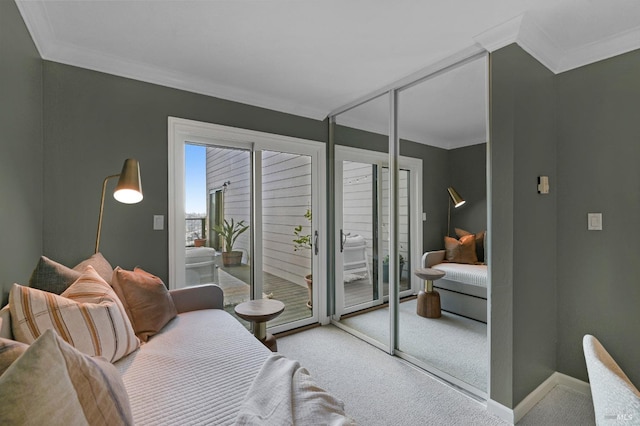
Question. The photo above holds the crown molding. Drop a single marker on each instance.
(602, 49)
(51, 49)
(501, 35)
(534, 40)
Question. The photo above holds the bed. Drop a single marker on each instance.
(463, 290)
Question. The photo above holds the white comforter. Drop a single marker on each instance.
(205, 368)
(196, 371)
(283, 393)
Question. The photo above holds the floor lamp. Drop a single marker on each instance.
(457, 202)
(128, 190)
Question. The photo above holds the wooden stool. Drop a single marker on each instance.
(428, 305)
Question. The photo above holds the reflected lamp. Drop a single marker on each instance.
(457, 201)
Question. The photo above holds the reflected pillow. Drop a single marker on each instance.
(461, 251)
(146, 300)
(54, 383)
(480, 238)
(88, 316)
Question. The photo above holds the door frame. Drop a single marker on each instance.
(381, 159)
(181, 131)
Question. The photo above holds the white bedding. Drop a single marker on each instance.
(176, 379)
(464, 273)
(283, 393)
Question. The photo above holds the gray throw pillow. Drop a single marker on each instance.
(54, 277)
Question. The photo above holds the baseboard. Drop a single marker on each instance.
(513, 416)
(500, 411)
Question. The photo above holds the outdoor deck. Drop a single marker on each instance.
(233, 281)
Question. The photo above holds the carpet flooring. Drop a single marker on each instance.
(451, 343)
(379, 389)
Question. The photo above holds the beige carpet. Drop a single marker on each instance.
(379, 389)
(453, 344)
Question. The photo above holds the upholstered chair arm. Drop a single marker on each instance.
(208, 296)
(431, 258)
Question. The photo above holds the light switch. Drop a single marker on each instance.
(158, 222)
(594, 221)
(424, 216)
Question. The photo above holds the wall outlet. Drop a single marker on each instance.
(158, 222)
(594, 221)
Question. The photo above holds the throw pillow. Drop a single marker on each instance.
(10, 350)
(461, 251)
(480, 236)
(54, 277)
(88, 316)
(53, 382)
(146, 300)
(100, 264)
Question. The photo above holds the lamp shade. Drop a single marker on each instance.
(129, 187)
(455, 197)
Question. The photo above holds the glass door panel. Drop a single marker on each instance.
(404, 232)
(218, 179)
(358, 238)
(287, 233)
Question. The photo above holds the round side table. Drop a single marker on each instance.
(428, 305)
(259, 312)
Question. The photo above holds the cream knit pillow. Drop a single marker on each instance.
(53, 383)
(88, 315)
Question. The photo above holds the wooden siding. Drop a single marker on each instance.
(358, 207)
(286, 196)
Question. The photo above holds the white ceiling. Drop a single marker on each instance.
(309, 57)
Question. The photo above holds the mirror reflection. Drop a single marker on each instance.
(443, 283)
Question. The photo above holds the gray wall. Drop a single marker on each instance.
(20, 150)
(523, 226)
(468, 175)
(599, 171)
(92, 122)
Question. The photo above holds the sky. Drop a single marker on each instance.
(195, 158)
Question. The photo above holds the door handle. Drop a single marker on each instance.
(315, 243)
(343, 239)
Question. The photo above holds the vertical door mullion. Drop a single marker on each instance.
(394, 259)
(339, 224)
(256, 225)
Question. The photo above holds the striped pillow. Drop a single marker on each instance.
(88, 315)
(53, 383)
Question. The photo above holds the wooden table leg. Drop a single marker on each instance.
(428, 304)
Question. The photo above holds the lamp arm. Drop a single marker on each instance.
(448, 218)
(104, 190)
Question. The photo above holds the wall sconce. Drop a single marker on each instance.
(457, 202)
(128, 190)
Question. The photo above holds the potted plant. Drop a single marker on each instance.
(385, 268)
(229, 232)
(303, 242)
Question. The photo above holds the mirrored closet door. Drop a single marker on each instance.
(440, 122)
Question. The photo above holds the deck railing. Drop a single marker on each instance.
(196, 227)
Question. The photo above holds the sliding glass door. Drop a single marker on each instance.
(256, 229)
